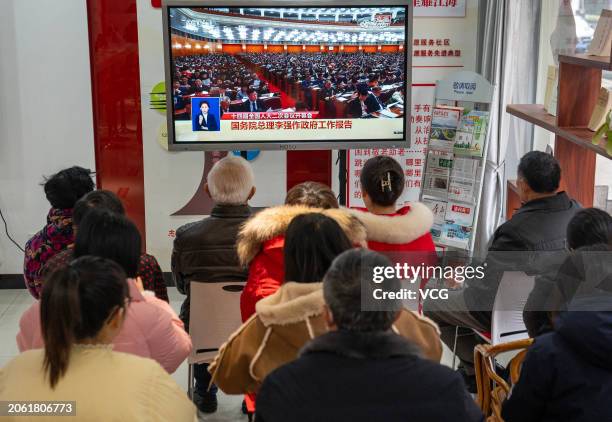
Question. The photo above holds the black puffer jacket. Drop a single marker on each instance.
(567, 374)
(206, 251)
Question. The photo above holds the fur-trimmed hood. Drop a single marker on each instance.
(397, 229)
(292, 303)
(273, 222)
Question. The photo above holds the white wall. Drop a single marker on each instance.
(45, 109)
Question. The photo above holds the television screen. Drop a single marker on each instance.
(287, 77)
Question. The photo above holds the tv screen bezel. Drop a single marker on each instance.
(289, 145)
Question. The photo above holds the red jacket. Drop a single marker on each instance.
(404, 236)
(407, 230)
(260, 247)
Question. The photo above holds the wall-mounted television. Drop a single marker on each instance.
(290, 75)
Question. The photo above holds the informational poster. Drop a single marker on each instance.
(440, 47)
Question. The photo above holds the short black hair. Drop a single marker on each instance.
(589, 227)
(103, 199)
(65, 187)
(363, 90)
(382, 178)
(204, 102)
(312, 242)
(109, 235)
(251, 90)
(348, 289)
(541, 171)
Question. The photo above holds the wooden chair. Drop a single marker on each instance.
(492, 389)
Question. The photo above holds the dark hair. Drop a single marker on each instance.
(541, 171)
(589, 227)
(76, 301)
(313, 195)
(351, 276)
(382, 178)
(65, 187)
(109, 235)
(363, 90)
(204, 102)
(250, 91)
(376, 88)
(103, 199)
(312, 242)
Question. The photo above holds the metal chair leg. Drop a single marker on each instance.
(190, 381)
(455, 347)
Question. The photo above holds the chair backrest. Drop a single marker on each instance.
(492, 389)
(507, 317)
(214, 314)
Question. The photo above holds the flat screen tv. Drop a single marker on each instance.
(288, 75)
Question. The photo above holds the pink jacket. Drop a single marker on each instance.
(151, 329)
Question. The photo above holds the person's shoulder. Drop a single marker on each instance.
(24, 363)
(191, 229)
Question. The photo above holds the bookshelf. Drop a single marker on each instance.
(579, 84)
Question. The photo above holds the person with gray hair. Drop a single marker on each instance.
(205, 250)
(362, 370)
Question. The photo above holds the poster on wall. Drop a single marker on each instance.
(438, 50)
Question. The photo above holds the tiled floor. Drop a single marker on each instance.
(14, 302)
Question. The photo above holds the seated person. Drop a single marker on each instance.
(567, 374)
(252, 104)
(206, 250)
(184, 86)
(83, 308)
(177, 96)
(294, 314)
(242, 93)
(363, 104)
(198, 88)
(389, 228)
(151, 327)
(62, 190)
(300, 106)
(262, 238)
(538, 227)
(376, 92)
(556, 287)
(148, 269)
(361, 369)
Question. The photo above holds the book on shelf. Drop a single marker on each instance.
(444, 124)
(552, 87)
(472, 133)
(602, 39)
(602, 107)
(438, 209)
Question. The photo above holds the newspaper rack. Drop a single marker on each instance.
(474, 93)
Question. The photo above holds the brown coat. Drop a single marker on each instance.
(283, 324)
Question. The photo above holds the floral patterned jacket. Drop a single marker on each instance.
(51, 240)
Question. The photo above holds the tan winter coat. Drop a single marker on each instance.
(283, 324)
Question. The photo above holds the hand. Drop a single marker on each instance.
(138, 283)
